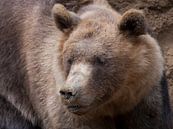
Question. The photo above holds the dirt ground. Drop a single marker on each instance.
(159, 14)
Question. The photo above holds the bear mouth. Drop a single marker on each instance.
(76, 109)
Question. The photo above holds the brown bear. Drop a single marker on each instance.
(94, 69)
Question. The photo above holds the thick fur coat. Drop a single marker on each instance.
(94, 69)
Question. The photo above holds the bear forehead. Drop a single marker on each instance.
(97, 31)
(95, 37)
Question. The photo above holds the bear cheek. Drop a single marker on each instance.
(99, 89)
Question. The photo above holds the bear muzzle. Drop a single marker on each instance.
(76, 81)
(74, 91)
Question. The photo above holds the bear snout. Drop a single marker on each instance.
(76, 82)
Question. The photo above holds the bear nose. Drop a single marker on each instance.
(66, 94)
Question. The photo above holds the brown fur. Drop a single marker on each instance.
(114, 68)
(102, 33)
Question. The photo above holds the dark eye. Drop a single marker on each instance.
(70, 61)
(100, 61)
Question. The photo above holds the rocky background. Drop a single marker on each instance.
(159, 14)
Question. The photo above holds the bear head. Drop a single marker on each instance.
(109, 60)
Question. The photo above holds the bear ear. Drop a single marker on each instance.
(133, 23)
(64, 19)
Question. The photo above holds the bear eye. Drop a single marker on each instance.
(100, 61)
(70, 61)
